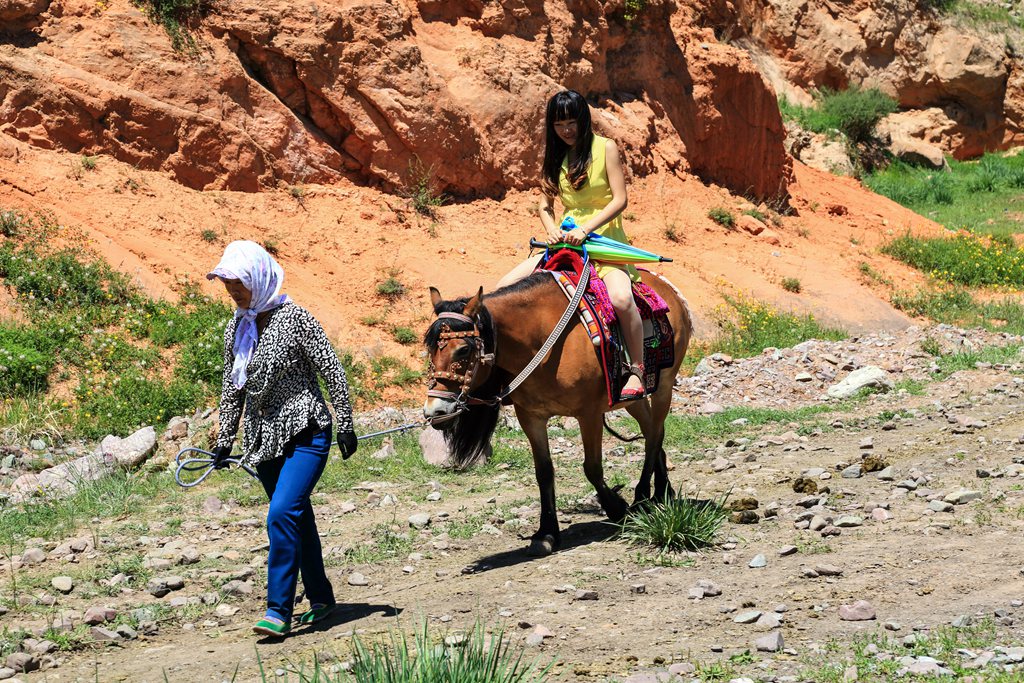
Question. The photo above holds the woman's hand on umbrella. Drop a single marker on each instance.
(555, 236)
(575, 237)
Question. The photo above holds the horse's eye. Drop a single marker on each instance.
(461, 352)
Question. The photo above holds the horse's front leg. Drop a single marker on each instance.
(593, 467)
(548, 537)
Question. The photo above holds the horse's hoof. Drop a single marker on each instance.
(542, 546)
(618, 513)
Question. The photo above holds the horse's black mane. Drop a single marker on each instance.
(469, 434)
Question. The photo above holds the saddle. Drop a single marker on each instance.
(599, 320)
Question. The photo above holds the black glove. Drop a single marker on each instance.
(220, 457)
(347, 444)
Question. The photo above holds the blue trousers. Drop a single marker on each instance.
(294, 541)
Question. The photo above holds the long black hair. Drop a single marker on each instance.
(567, 104)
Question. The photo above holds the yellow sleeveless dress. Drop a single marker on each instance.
(595, 194)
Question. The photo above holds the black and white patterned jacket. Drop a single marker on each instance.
(281, 395)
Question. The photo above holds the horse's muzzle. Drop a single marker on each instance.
(439, 411)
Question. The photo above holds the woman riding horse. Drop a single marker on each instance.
(585, 171)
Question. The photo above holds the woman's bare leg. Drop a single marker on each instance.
(520, 271)
(620, 291)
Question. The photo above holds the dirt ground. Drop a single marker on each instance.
(920, 569)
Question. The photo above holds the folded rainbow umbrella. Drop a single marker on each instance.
(601, 248)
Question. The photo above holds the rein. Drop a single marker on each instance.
(463, 399)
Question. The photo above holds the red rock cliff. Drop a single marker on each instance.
(365, 89)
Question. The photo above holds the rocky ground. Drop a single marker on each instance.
(886, 543)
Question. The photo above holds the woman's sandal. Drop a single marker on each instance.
(636, 369)
(271, 627)
(315, 613)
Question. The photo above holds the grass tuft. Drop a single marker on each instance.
(421, 189)
(676, 524)
(391, 287)
(723, 217)
(791, 284)
(473, 657)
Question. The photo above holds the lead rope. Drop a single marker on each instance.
(573, 306)
(197, 464)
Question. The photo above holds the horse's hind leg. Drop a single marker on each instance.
(548, 537)
(611, 501)
(651, 417)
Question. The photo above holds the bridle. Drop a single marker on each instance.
(466, 376)
(463, 371)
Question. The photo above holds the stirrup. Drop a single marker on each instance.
(636, 369)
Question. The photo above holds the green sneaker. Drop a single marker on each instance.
(316, 613)
(271, 627)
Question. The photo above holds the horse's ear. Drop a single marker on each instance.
(435, 298)
(473, 305)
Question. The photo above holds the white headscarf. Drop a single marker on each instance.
(262, 275)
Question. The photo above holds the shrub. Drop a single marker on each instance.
(272, 247)
(676, 524)
(633, 9)
(856, 111)
(391, 287)
(404, 335)
(421, 189)
(791, 284)
(672, 234)
(12, 222)
(24, 368)
(759, 215)
(88, 163)
(121, 404)
(722, 217)
(174, 16)
(209, 235)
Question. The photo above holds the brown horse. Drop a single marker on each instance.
(476, 349)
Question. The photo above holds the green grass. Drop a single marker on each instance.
(685, 432)
(676, 524)
(954, 362)
(127, 358)
(963, 259)
(985, 196)
(120, 494)
(957, 306)
(746, 327)
(991, 15)
(386, 544)
(723, 217)
(854, 112)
